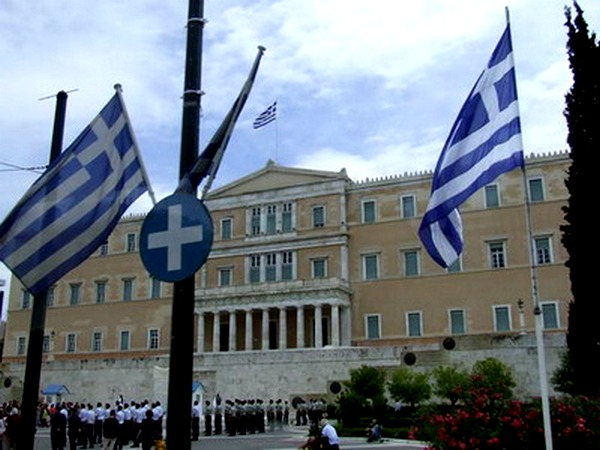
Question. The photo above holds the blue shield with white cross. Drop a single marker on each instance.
(176, 237)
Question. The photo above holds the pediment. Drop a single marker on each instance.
(273, 177)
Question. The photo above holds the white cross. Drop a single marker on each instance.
(174, 238)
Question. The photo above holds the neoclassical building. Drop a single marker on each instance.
(312, 274)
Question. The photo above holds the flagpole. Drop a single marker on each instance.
(277, 133)
(181, 357)
(537, 310)
(119, 90)
(35, 345)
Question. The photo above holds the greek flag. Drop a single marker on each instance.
(73, 207)
(484, 142)
(267, 116)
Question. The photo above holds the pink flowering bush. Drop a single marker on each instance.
(488, 420)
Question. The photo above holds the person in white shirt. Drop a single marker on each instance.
(329, 432)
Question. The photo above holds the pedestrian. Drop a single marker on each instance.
(196, 421)
(110, 431)
(148, 431)
(73, 427)
(13, 425)
(3, 438)
(374, 432)
(331, 441)
(58, 430)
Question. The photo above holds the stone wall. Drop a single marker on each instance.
(285, 374)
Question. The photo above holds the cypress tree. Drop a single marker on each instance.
(583, 119)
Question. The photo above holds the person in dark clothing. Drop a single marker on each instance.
(149, 431)
(110, 431)
(74, 427)
(58, 430)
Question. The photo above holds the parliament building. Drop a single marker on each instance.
(312, 274)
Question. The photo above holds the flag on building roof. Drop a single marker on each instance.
(267, 116)
(74, 205)
(484, 142)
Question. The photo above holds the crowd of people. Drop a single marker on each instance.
(80, 425)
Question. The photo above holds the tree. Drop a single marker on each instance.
(364, 394)
(582, 112)
(495, 376)
(451, 383)
(409, 386)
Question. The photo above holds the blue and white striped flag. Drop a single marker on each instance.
(267, 116)
(73, 207)
(485, 142)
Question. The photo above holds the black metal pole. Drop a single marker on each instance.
(33, 368)
(181, 362)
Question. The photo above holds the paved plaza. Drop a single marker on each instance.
(287, 439)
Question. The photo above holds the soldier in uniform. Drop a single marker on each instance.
(240, 417)
(271, 415)
(218, 416)
(260, 416)
(208, 410)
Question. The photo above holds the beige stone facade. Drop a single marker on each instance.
(314, 273)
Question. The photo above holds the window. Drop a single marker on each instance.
(372, 326)
(550, 315)
(408, 207)
(271, 267)
(497, 255)
(103, 250)
(255, 221)
(318, 216)
(25, 299)
(271, 219)
(492, 198)
(100, 291)
(456, 266)
(21, 345)
(457, 321)
(368, 211)
(502, 320)
(51, 297)
(319, 268)
(255, 269)
(75, 298)
(127, 289)
(370, 267)
(413, 323)
(124, 340)
(97, 341)
(542, 248)
(536, 190)
(155, 288)
(226, 228)
(225, 276)
(287, 266)
(153, 339)
(130, 243)
(286, 218)
(411, 263)
(71, 343)
(46, 344)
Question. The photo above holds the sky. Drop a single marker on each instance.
(372, 87)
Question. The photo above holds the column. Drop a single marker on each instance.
(248, 334)
(282, 329)
(318, 326)
(300, 327)
(200, 333)
(265, 329)
(232, 331)
(346, 326)
(216, 332)
(335, 325)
